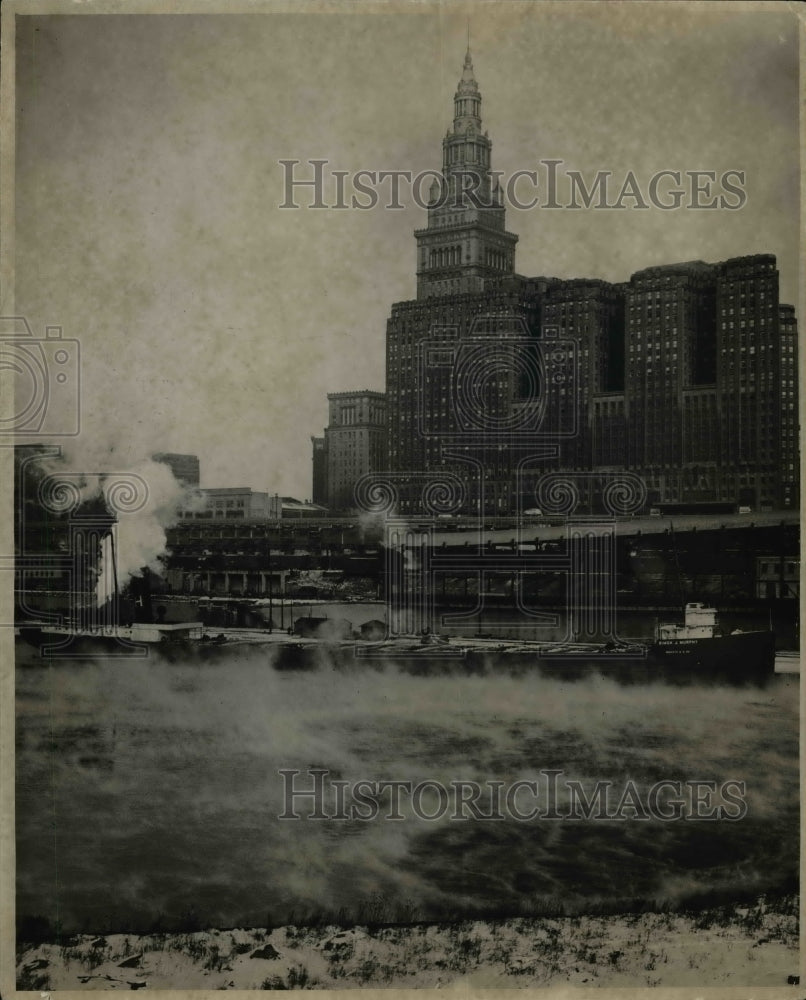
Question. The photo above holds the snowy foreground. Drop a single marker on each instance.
(725, 946)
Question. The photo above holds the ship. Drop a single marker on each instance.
(695, 651)
(699, 645)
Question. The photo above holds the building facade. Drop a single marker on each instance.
(319, 471)
(458, 357)
(465, 242)
(354, 443)
(685, 374)
(788, 405)
(591, 313)
(184, 467)
(710, 359)
(233, 503)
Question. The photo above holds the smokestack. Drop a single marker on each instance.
(140, 588)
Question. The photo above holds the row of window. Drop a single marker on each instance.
(445, 257)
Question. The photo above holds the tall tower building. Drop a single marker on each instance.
(685, 374)
(437, 370)
(465, 242)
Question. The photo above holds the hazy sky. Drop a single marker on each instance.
(213, 322)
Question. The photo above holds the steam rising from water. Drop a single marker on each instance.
(178, 766)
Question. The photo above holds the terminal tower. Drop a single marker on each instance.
(683, 374)
(465, 242)
(465, 276)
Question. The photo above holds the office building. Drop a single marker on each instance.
(684, 374)
(354, 443)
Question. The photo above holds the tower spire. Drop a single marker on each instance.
(465, 243)
(467, 99)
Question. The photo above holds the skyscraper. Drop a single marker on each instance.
(465, 242)
(436, 358)
(685, 374)
(590, 312)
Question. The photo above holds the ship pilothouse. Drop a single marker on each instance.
(699, 623)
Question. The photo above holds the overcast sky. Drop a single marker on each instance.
(213, 322)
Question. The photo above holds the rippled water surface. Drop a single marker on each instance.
(148, 793)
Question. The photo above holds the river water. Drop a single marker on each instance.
(148, 793)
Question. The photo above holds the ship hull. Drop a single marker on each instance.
(748, 658)
(743, 659)
(750, 654)
(735, 659)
